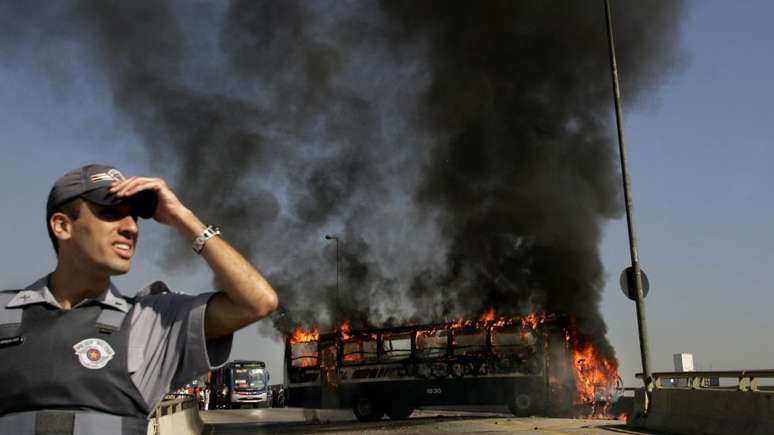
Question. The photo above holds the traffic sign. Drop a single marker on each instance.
(628, 285)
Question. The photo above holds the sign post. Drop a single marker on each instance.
(633, 250)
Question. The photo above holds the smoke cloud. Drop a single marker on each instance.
(461, 152)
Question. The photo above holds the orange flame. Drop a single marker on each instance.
(459, 324)
(595, 377)
(489, 315)
(345, 331)
(531, 321)
(301, 336)
(352, 357)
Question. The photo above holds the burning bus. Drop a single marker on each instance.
(529, 364)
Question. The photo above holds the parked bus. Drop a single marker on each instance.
(240, 383)
(521, 363)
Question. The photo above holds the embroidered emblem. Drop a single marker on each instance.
(94, 353)
(111, 175)
(24, 297)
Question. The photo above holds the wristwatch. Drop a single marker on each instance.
(207, 234)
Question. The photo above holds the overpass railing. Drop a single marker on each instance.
(176, 414)
(746, 380)
(707, 402)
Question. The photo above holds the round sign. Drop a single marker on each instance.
(629, 287)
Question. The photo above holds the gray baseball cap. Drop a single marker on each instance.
(92, 182)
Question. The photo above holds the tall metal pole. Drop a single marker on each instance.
(336, 314)
(337, 282)
(633, 249)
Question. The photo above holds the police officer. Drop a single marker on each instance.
(78, 357)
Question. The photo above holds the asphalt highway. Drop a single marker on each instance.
(314, 421)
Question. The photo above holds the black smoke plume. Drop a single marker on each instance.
(460, 151)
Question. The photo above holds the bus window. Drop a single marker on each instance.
(432, 344)
(469, 341)
(511, 340)
(359, 350)
(396, 346)
(304, 354)
(249, 378)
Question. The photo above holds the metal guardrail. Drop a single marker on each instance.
(746, 380)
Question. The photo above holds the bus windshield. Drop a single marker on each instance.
(249, 378)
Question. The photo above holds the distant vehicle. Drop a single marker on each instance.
(192, 388)
(394, 370)
(240, 384)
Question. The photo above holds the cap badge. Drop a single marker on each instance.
(111, 175)
(94, 353)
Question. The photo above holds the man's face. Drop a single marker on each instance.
(105, 237)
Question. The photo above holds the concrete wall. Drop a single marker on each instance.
(706, 411)
(177, 416)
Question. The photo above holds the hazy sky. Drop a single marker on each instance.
(700, 153)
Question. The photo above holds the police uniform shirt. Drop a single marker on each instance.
(166, 338)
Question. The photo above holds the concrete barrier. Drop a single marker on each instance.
(176, 416)
(705, 411)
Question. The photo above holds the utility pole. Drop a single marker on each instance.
(633, 247)
(336, 308)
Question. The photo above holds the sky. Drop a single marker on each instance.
(700, 152)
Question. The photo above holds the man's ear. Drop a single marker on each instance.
(61, 225)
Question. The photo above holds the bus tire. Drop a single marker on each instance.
(522, 405)
(397, 412)
(367, 409)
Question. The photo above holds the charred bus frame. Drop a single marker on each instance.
(392, 370)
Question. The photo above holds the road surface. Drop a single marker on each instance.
(301, 421)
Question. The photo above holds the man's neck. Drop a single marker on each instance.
(70, 285)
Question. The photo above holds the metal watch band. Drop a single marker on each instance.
(207, 234)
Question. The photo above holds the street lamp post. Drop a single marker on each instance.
(336, 308)
(633, 251)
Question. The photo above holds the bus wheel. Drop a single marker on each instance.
(366, 409)
(397, 412)
(522, 405)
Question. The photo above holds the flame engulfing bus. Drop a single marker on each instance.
(526, 364)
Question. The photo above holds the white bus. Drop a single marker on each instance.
(240, 384)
